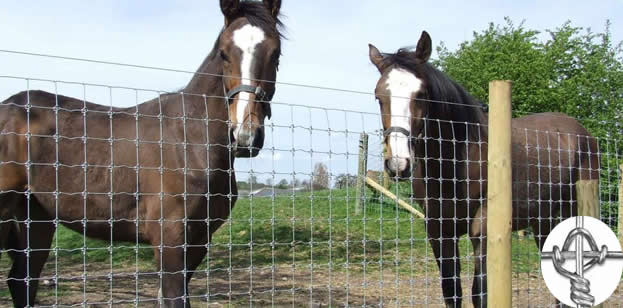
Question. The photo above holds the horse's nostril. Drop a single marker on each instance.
(406, 173)
(400, 167)
(391, 171)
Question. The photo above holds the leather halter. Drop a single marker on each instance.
(397, 129)
(260, 94)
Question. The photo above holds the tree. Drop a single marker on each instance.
(345, 180)
(242, 185)
(269, 182)
(283, 184)
(320, 177)
(252, 180)
(574, 70)
(305, 183)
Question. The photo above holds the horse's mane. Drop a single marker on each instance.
(461, 106)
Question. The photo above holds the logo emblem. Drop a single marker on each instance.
(582, 262)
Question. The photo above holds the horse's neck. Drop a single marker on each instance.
(440, 136)
(448, 130)
(207, 82)
(208, 79)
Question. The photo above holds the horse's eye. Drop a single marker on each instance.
(274, 58)
(223, 55)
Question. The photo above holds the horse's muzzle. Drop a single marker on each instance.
(248, 141)
(398, 167)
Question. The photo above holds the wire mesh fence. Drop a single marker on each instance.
(109, 192)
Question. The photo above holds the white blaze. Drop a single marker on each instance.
(246, 38)
(401, 85)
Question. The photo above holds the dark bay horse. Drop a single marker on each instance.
(436, 133)
(159, 173)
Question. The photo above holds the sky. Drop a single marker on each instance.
(327, 46)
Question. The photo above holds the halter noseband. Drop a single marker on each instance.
(397, 129)
(260, 94)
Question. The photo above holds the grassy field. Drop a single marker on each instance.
(317, 232)
(279, 244)
(318, 228)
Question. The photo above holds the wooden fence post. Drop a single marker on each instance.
(499, 196)
(588, 200)
(385, 174)
(377, 187)
(620, 221)
(588, 197)
(361, 172)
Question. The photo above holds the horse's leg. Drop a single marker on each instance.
(196, 251)
(27, 266)
(446, 251)
(478, 236)
(169, 294)
(8, 204)
(178, 267)
(194, 256)
(173, 280)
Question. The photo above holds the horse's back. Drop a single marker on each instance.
(551, 152)
(13, 150)
(558, 135)
(553, 122)
(80, 148)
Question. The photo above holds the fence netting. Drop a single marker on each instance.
(298, 234)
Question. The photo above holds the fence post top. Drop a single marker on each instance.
(501, 81)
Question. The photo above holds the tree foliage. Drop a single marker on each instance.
(568, 69)
(574, 70)
(344, 181)
(283, 184)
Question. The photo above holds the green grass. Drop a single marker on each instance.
(70, 244)
(318, 228)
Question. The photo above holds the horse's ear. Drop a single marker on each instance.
(424, 48)
(376, 57)
(230, 9)
(273, 6)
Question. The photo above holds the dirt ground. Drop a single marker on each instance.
(283, 286)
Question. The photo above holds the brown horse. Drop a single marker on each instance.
(436, 134)
(159, 173)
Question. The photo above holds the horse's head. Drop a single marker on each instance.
(249, 46)
(401, 94)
